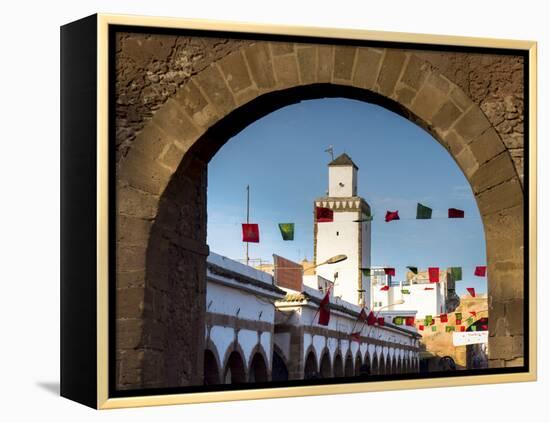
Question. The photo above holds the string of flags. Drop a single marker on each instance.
(251, 231)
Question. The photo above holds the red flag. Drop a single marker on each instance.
(389, 271)
(428, 289)
(421, 327)
(462, 328)
(473, 313)
(409, 321)
(434, 274)
(480, 271)
(380, 321)
(324, 309)
(392, 215)
(324, 214)
(385, 288)
(472, 291)
(356, 336)
(251, 232)
(458, 322)
(484, 327)
(371, 319)
(443, 318)
(363, 315)
(456, 214)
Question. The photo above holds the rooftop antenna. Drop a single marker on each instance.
(330, 150)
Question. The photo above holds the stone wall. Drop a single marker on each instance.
(180, 98)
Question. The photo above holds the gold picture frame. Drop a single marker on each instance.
(87, 304)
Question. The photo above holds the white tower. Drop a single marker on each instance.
(349, 233)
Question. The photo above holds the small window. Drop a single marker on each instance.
(337, 233)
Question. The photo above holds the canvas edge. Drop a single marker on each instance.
(103, 22)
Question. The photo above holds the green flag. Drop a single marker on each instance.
(470, 320)
(434, 328)
(287, 231)
(473, 327)
(366, 271)
(413, 269)
(398, 320)
(449, 328)
(405, 291)
(423, 212)
(456, 273)
(428, 320)
(458, 316)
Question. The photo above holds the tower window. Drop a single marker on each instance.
(337, 233)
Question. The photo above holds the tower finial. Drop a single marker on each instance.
(330, 150)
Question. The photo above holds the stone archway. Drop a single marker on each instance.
(258, 369)
(211, 369)
(235, 371)
(325, 368)
(161, 188)
(375, 368)
(310, 366)
(358, 364)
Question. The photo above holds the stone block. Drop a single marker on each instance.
(325, 61)
(472, 124)
(151, 141)
(133, 202)
(390, 71)
(131, 279)
(281, 48)
(195, 104)
(494, 172)
(212, 83)
(455, 142)
(501, 347)
(496, 363)
(446, 116)
(506, 285)
(428, 101)
(404, 95)
(129, 333)
(460, 98)
(415, 72)
(366, 67)
(307, 64)
(506, 226)
(487, 146)
(514, 317)
(130, 258)
(174, 122)
(130, 303)
(246, 95)
(132, 230)
(516, 362)
(467, 162)
(172, 156)
(503, 196)
(344, 56)
(235, 71)
(140, 172)
(259, 61)
(286, 70)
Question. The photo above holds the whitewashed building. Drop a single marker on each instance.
(417, 293)
(265, 327)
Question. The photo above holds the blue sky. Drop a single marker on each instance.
(282, 158)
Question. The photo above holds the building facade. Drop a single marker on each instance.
(262, 323)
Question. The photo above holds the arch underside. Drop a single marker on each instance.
(161, 190)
